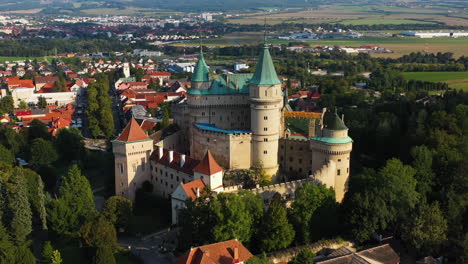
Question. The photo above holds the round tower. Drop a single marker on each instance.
(266, 102)
(332, 146)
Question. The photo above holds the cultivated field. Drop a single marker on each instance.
(455, 80)
(3, 59)
(361, 15)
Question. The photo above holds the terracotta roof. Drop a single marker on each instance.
(190, 188)
(218, 253)
(45, 79)
(189, 164)
(148, 125)
(208, 165)
(132, 132)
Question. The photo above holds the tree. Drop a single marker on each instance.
(308, 198)
(41, 102)
(422, 163)
(103, 256)
(56, 257)
(427, 229)
(75, 204)
(7, 247)
(18, 214)
(47, 251)
(277, 232)
(259, 260)
(6, 155)
(99, 235)
(37, 129)
(6, 104)
(70, 144)
(118, 211)
(37, 197)
(165, 122)
(23, 105)
(24, 255)
(43, 153)
(228, 207)
(59, 86)
(305, 256)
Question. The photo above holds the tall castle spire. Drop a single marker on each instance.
(265, 73)
(201, 73)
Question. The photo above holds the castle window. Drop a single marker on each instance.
(282, 147)
(266, 93)
(265, 140)
(143, 164)
(291, 147)
(207, 139)
(281, 158)
(265, 129)
(166, 173)
(213, 113)
(220, 118)
(347, 170)
(291, 159)
(121, 168)
(265, 152)
(290, 169)
(339, 160)
(177, 179)
(300, 149)
(172, 176)
(172, 186)
(166, 183)
(203, 113)
(338, 172)
(265, 118)
(300, 169)
(300, 161)
(161, 181)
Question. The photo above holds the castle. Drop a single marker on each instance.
(234, 121)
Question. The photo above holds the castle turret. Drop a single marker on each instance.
(132, 150)
(201, 74)
(266, 102)
(210, 172)
(332, 144)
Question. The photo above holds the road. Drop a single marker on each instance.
(148, 250)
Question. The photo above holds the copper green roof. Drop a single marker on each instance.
(201, 73)
(265, 73)
(237, 83)
(333, 122)
(330, 140)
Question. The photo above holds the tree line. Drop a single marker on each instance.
(99, 110)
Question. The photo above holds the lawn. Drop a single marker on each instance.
(455, 80)
(382, 21)
(10, 59)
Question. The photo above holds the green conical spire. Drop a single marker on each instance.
(265, 73)
(201, 73)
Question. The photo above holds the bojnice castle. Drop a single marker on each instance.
(234, 121)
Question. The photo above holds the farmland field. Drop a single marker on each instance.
(372, 21)
(455, 80)
(3, 59)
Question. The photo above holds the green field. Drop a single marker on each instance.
(10, 59)
(455, 80)
(377, 21)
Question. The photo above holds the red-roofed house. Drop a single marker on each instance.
(227, 252)
(41, 81)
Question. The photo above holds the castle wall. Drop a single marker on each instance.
(172, 142)
(132, 166)
(165, 179)
(231, 151)
(295, 157)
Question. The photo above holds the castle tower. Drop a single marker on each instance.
(210, 172)
(201, 74)
(333, 145)
(266, 102)
(132, 150)
(126, 69)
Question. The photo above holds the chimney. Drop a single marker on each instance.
(161, 152)
(182, 160)
(236, 255)
(198, 192)
(171, 156)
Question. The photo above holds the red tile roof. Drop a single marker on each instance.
(189, 164)
(218, 253)
(45, 79)
(16, 82)
(132, 132)
(208, 165)
(190, 188)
